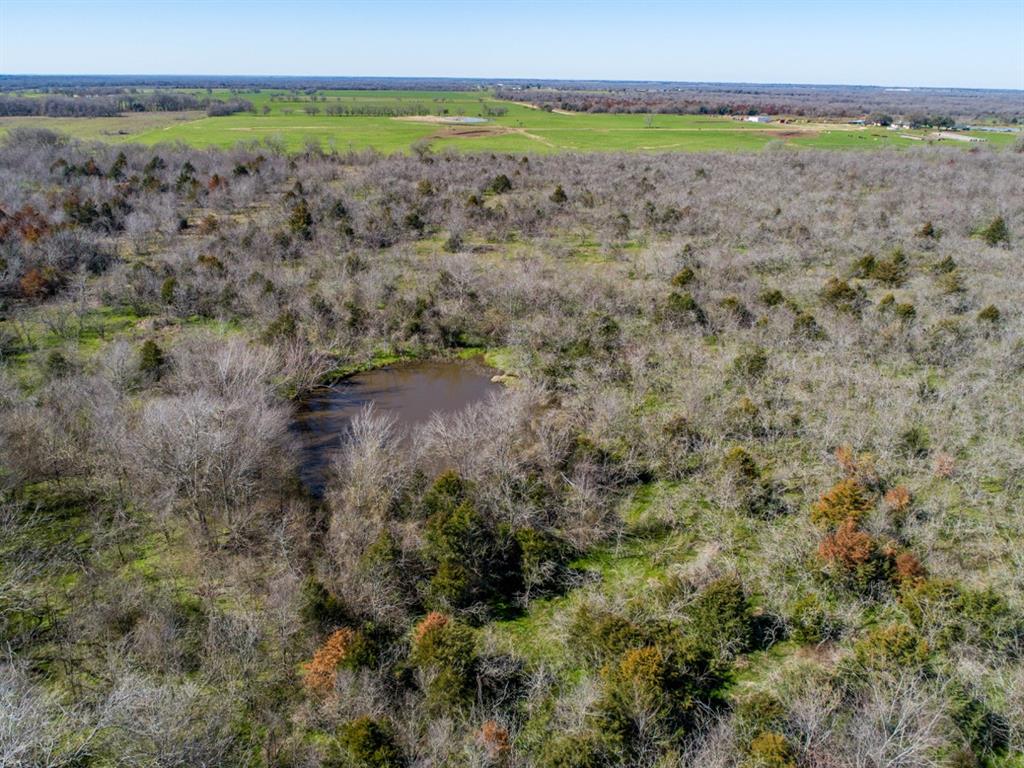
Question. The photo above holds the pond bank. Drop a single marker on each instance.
(410, 391)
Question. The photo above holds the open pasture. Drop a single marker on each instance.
(392, 121)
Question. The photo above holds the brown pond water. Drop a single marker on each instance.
(412, 392)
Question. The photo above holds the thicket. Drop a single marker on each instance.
(89, 103)
(924, 107)
(733, 507)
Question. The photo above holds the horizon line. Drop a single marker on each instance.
(513, 79)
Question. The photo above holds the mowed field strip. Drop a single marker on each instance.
(294, 121)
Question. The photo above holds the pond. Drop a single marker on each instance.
(411, 392)
(465, 120)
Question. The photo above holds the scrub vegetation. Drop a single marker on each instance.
(751, 494)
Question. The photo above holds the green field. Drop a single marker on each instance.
(520, 129)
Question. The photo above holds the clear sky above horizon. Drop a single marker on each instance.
(898, 43)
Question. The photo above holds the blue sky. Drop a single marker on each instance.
(922, 43)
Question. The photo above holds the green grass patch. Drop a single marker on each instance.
(378, 359)
(292, 121)
(505, 359)
(624, 566)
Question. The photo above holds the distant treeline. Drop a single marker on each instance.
(98, 105)
(811, 101)
(77, 82)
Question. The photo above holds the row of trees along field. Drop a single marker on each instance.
(941, 105)
(102, 104)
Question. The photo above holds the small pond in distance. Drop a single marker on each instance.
(411, 392)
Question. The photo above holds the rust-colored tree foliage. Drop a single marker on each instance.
(898, 499)
(860, 467)
(848, 547)
(29, 223)
(846, 460)
(37, 283)
(432, 622)
(321, 672)
(493, 738)
(846, 500)
(908, 569)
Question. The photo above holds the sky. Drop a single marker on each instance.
(973, 44)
